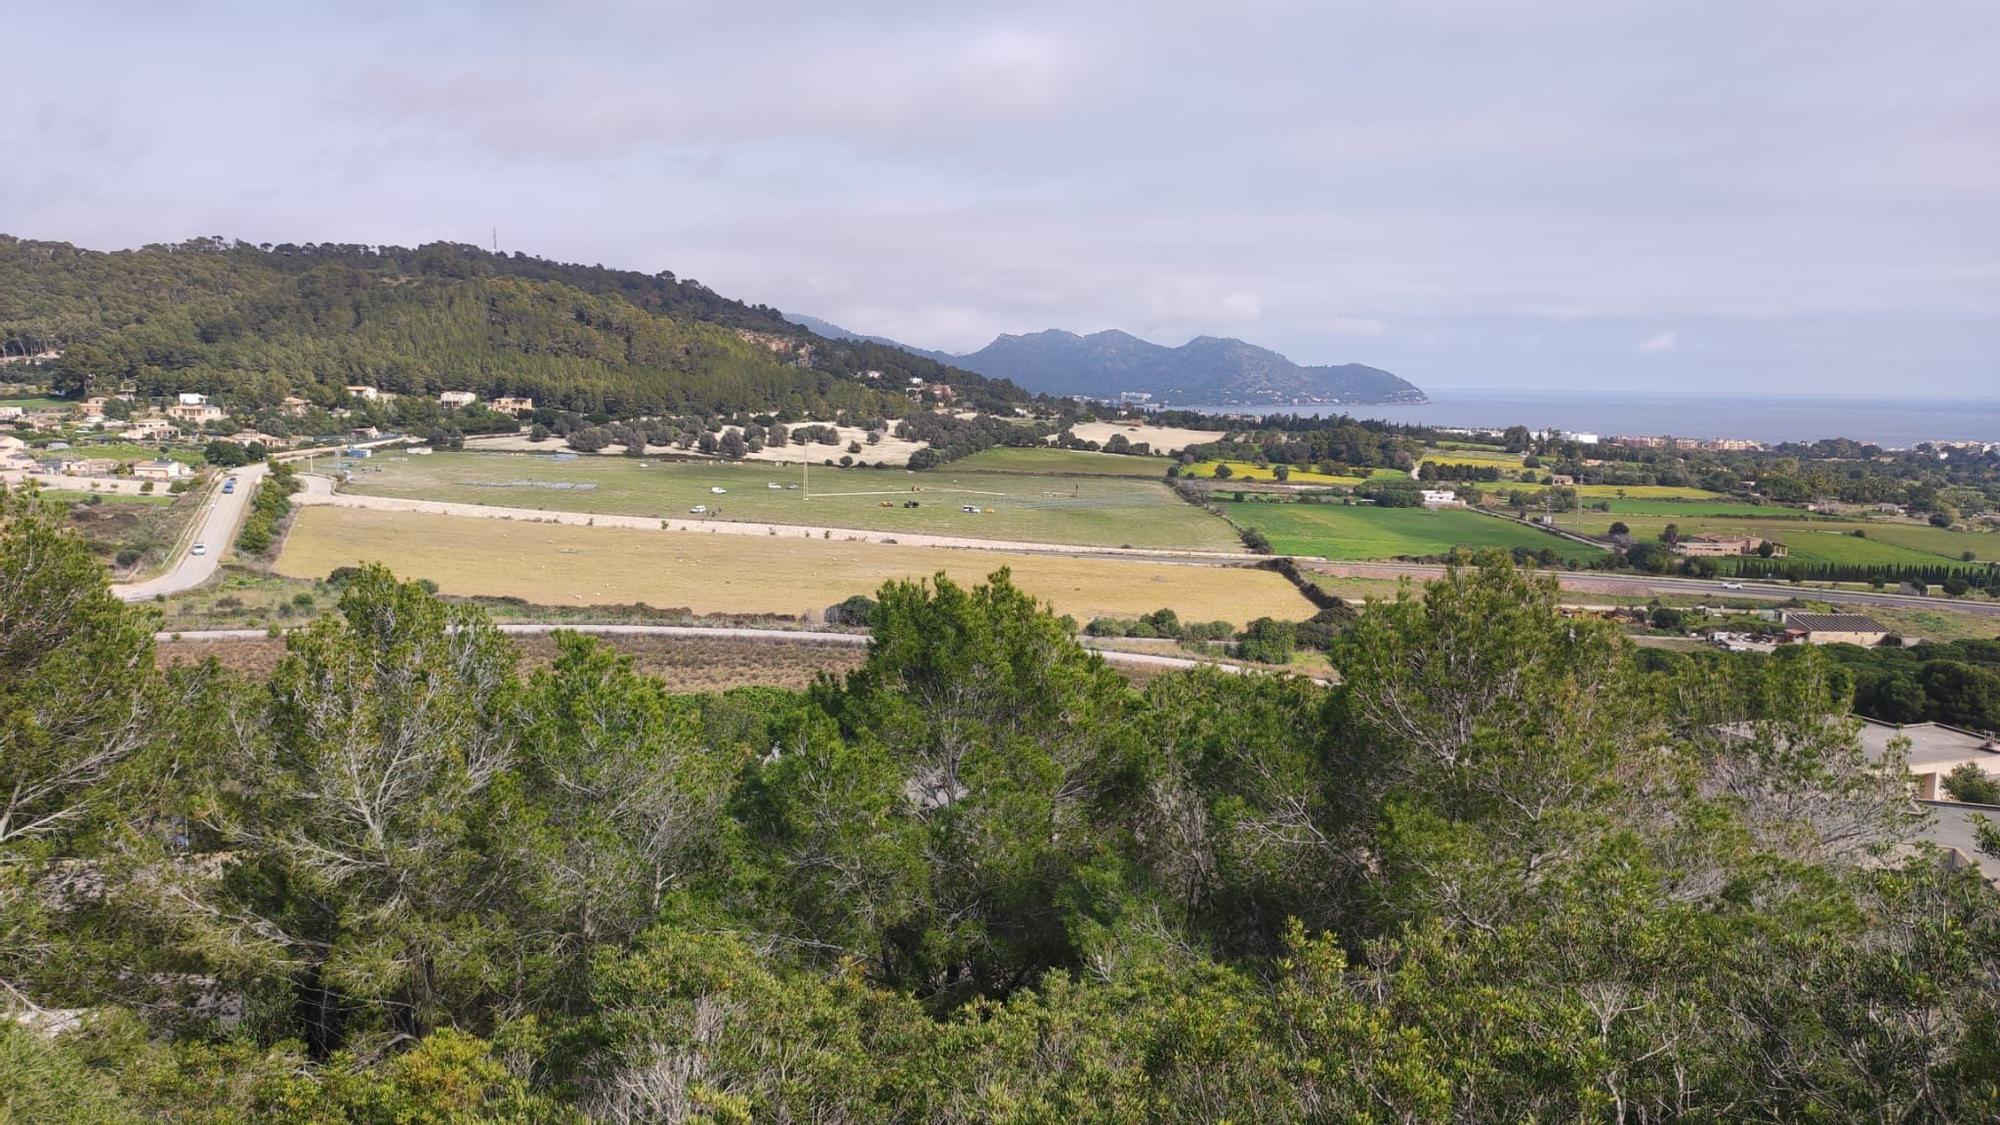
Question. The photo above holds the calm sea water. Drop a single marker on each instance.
(1766, 418)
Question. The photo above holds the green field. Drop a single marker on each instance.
(1098, 511)
(1009, 459)
(133, 451)
(1695, 509)
(1338, 531)
(37, 402)
(1612, 492)
(1264, 474)
(1465, 455)
(69, 496)
(1810, 540)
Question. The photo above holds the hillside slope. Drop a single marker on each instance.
(261, 322)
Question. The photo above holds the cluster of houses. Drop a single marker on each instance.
(18, 462)
(504, 404)
(1710, 445)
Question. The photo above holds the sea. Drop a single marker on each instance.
(1893, 423)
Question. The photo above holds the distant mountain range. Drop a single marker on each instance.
(1205, 371)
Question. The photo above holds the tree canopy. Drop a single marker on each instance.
(1501, 871)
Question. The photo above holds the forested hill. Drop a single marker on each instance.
(1207, 370)
(262, 322)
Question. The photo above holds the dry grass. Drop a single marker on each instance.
(553, 564)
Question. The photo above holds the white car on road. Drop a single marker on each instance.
(1732, 585)
(199, 549)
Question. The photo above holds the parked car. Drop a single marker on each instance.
(199, 549)
(698, 510)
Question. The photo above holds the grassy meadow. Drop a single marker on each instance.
(1026, 459)
(1090, 510)
(1338, 531)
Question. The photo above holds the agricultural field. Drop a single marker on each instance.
(1694, 509)
(1612, 492)
(1097, 511)
(1466, 454)
(1034, 459)
(37, 402)
(1810, 539)
(1264, 474)
(133, 451)
(1160, 439)
(1339, 531)
(561, 565)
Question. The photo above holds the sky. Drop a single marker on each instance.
(1780, 196)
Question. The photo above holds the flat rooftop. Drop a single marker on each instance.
(1950, 825)
(1931, 744)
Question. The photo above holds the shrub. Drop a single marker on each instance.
(1267, 641)
(1968, 783)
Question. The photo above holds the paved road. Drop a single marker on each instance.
(779, 636)
(215, 530)
(1644, 584)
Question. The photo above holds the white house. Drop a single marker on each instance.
(194, 411)
(149, 429)
(163, 469)
(366, 394)
(189, 398)
(1440, 498)
(458, 398)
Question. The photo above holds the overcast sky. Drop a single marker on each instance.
(1776, 195)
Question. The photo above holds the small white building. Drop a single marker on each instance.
(457, 398)
(162, 469)
(189, 398)
(366, 394)
(1441, 498)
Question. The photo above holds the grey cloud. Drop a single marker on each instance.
(1516, 191)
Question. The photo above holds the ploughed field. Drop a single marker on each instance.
(1338, 531)
(1098, 510)
(562, 565)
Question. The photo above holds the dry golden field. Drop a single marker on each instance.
(554, 564)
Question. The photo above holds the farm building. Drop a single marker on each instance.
(1714, 546)
(1834, 628)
